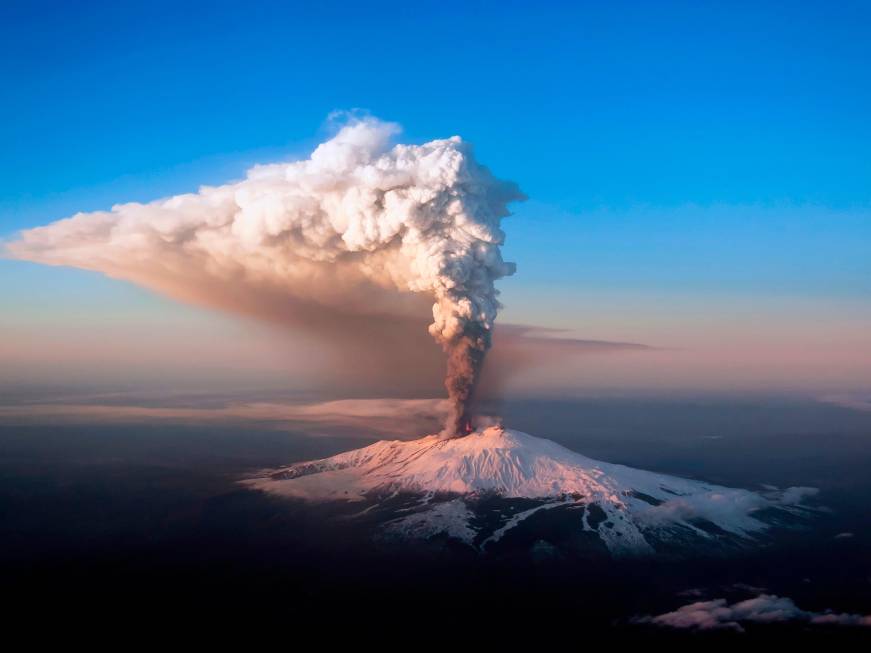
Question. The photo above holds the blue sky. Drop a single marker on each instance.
(674, 149)
(586, 103)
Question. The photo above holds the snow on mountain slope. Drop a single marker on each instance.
(449, 475)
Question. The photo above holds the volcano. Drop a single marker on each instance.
(480, 488)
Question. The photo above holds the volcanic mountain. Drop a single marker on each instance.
(480, 487)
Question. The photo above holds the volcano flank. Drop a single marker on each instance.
(480, 487)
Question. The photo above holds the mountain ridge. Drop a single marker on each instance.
(450, 476)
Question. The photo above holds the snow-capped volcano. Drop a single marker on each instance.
(445, 481)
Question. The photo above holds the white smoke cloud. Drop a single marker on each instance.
(361, 228)
(718, 614)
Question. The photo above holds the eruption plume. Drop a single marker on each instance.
(361, 228)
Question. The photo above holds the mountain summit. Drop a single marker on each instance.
(479, 487)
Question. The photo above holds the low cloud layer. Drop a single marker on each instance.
(861, 403)
(719, 614)
(362, 417)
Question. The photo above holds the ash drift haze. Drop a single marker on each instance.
(368, 229)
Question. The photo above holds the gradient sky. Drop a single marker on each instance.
(698, 173)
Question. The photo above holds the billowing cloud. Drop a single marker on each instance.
(360, 242)
(719, 614)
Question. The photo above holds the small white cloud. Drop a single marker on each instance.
(718, 614)
(692, 591)
(853, 402)
(745, 587)
(841, 619)
(792, 496)
(843, 536)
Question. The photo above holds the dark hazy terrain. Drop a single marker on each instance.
(110, 525)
